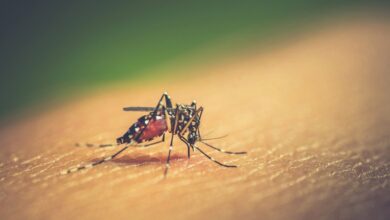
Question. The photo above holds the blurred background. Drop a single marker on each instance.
(52, 50)
(302, 86)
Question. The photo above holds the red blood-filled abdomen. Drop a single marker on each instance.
(154, 129)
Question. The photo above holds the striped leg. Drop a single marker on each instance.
(188, 145)
(212, 159)
(209, 157)
(94, 163)
(206, 155)
(200, 117)
(222, 150)
(168, 103)
(110, 157)
(167, 165)
(198, 111)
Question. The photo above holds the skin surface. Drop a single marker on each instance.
(313, 114)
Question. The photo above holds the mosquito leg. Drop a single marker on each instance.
(222, 150)
(168, 102)
(171, 144)
(191, 119)
(198, 130)
(186, 126)
(188, 152)
(212, 159)
(94, 163)
(167, 164)
(188, 145)
(193, 104)
(200, 112)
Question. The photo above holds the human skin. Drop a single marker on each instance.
(313, 115)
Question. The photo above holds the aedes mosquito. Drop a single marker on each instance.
(177, 120)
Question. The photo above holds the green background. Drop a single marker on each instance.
(49, 48)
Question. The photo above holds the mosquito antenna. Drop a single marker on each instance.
(215, 138)
(222, 150)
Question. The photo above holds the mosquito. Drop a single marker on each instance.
(180, 120)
